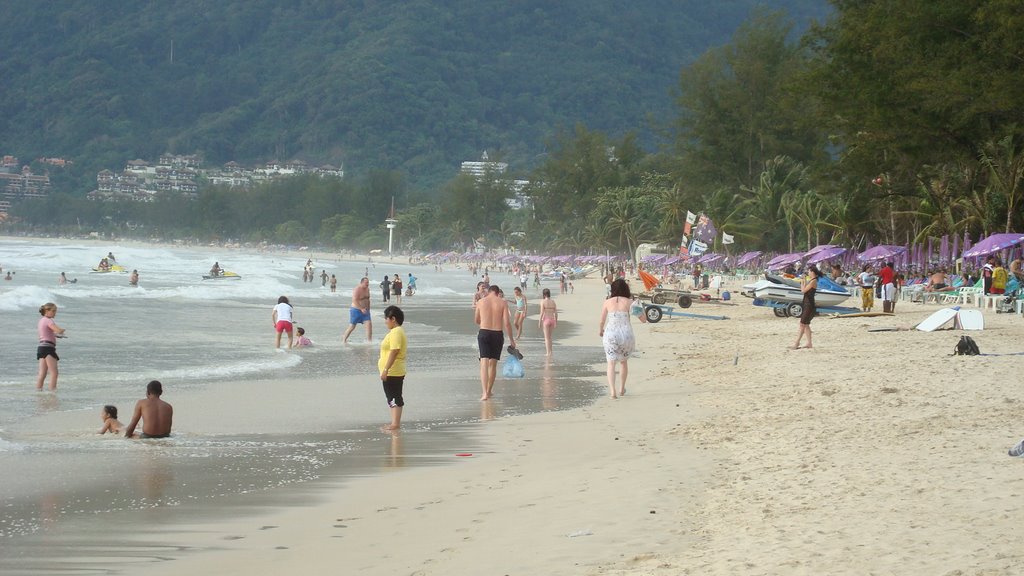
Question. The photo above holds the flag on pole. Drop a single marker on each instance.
(727, 239)
(705, 230)
(697, 248)
(690, 217)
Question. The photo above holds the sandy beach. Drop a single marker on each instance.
(873, 453)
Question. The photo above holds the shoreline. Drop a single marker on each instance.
(872, 453)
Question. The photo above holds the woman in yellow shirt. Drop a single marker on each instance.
(392, 364)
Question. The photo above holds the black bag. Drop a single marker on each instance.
(966, 347)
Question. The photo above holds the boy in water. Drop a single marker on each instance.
(156, 415)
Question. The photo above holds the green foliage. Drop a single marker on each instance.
(416, 86)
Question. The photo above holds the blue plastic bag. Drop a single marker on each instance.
(512, 368)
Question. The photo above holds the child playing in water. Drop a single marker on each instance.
(302, 341)
(110, 422)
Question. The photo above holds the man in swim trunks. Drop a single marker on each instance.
(359, 312)
(156, 415)
(491, 314)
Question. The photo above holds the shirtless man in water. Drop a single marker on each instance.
(491, 314)
(360, 310)
(155, 414)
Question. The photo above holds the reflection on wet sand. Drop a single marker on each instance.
(548, 387)
(395, 453)
(47, 402)
(155, 476)
(487, 410)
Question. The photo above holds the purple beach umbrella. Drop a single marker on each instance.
(993, 244)
(880, 252)
(825, 254)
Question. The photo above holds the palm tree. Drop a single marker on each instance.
(1004, 162)
(458, 231)
(766, 200)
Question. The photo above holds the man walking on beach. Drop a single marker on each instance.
(156, 415)
(491, 314)
(359, 312)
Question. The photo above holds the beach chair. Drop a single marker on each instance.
(967, 295)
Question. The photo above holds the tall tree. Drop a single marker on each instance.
(739, 107)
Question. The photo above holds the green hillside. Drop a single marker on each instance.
(416, 86)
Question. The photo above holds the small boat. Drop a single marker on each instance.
(225, 275)
(778, 288)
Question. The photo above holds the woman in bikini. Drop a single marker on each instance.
(520, 312)
(548, 318)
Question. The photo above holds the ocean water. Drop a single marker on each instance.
(249, 420)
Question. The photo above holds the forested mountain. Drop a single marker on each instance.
(416, 86)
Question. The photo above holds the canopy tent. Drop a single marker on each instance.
(994, 243)
(825, 254)
(782, 260)
(747, 257)
(881, 252)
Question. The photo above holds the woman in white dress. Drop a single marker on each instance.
(617, 334)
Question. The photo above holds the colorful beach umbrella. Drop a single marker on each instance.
(994, 243)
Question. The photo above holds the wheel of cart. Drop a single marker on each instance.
(780, 312)
(653, 314)
(795, 309)
(659, 298)
(685, 301)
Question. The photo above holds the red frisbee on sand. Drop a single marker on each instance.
(464, 454)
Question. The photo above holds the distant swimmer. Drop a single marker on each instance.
(359, 312)
(156, 415)
(8, 277)
(46, 352)
(134, 278)
(63, 279)
(110, 422)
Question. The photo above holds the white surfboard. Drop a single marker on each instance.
(937, 320)
(970, 319)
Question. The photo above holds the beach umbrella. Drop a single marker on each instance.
(784, 259)
(710, 258)
(993, 244)
(650, 281)
(825, 254)
(880, 252)
(819, 248)
(747, 257)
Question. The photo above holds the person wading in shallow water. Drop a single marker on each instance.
(491, 314)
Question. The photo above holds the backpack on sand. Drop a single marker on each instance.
(966, 347)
